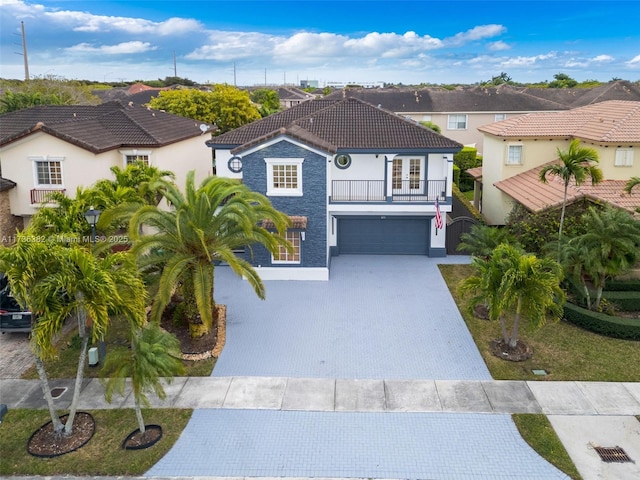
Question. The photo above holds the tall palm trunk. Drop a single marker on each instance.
(46, 391)
(82, 331)
(564, 207)
(513, 337)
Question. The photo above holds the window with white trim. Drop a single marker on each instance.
(131, 159)
(285, 256)
(134, 155)
(48, 171)
(514, 154)
(457, 122)
(624, 157)
(284, 176)
(500, 116)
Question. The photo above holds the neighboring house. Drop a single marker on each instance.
(517, 149)
(8, 223)
(354, 179)
(60, 147)
(136, 94)
(460, 112)
(291, 96)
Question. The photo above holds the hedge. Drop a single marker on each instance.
(624, 301)
(622, 285)
(617, 327)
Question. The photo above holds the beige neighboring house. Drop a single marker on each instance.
(461, 112)
(62, 147)
(517, 149)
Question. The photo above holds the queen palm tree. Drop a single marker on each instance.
(154, 356)
(633, 181)
(611, 245)
(576, 164)
(205, 224)
(517, 283)
(55, 280)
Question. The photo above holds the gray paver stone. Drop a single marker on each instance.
(412, 396)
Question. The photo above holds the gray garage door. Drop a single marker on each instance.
(390, 235)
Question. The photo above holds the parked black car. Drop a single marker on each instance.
(12, 317)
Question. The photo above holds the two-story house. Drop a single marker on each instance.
(517, 149)
(62, 147)
(462, 111)
(354, 178)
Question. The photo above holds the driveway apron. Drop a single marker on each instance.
(379, 317)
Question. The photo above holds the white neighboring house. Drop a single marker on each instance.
(517, 149)
(61, 148)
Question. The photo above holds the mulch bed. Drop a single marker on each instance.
(44, 442)
(137, 440)
(206, 345)
(519, 353)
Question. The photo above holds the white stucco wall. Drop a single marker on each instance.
(83, 168)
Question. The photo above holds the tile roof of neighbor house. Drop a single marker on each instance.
(99, 128)
(333, 125)
(609, 121)
(503, 98)
(527, 189)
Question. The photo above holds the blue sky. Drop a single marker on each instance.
(347, 41)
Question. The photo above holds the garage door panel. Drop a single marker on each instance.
(383, 236)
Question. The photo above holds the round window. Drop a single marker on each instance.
(235, 164)
(343, 160)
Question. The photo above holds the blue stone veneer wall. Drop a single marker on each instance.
(312, 204)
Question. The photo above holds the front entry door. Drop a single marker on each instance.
(408, 175)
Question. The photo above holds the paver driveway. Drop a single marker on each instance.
(379, 318)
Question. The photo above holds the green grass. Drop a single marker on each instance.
(565, 351)
(539, 434)
(65, 364)
(103, 454)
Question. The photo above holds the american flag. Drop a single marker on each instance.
(439, 223)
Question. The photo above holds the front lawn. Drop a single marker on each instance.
(565, 351)
(103, 454)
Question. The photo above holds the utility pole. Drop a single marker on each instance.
(175, 68)
(234, 75)
(24, 53)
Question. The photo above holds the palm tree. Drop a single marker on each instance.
(55, 280)
(515, 282)
(633, 181)
(577, 164)
(154, 356)
(483, 239)
(611, 243)
(205, 224)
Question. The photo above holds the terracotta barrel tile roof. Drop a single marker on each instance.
(528, 190)
(611, 121)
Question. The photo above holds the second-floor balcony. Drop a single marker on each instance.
(357, 191)
(40, 195)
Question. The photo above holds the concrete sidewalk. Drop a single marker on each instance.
(348, 395)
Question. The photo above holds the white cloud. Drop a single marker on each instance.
(602, 58)
(391, 45)
(498, 46)
(19, 9)
(522, 61)
(226, 46)
(634, 61)
(119, 49)
(476, 33)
